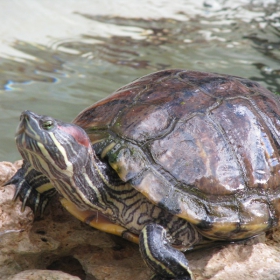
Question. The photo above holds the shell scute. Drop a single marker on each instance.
(252, 142)
(204, 162)
(142, 122)
(155, 109)
(221, 86)
(101, 114)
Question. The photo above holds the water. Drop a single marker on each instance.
(58, 58)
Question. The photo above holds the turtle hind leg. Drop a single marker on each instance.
(32, 187)
(166, 261)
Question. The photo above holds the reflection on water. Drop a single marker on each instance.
(66, 75)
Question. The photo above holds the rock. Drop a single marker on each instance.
(37, 274)
(58, 246)
(7, 170)
(250, 260)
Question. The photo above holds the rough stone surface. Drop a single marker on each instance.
(58, 246)
(37, 274)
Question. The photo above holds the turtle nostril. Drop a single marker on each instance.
(25, 115)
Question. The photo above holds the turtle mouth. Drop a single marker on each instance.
(27, 130)
(21, 128)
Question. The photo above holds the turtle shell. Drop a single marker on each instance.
(203, 146)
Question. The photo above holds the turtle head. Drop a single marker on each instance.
(51, 146)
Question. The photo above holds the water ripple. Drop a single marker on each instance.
(66, 56)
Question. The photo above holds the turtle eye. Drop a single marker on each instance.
(47, 125)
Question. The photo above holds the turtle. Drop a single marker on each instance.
(173, 160)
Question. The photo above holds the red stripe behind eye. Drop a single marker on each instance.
(79, 135)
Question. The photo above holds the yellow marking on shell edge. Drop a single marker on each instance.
(247, 231)
(149, 254)
(186, 216)
(107, 149)
(95, 219)
(44, 188)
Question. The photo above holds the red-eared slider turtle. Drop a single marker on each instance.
(175, 158)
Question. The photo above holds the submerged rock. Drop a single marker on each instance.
(58, 246)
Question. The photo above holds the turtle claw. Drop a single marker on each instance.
(17, 190)
(27, 189)
(32, 187)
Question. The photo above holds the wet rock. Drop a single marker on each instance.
(58, 246)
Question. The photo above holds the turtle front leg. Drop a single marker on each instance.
(32, 187)
(160, 256)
